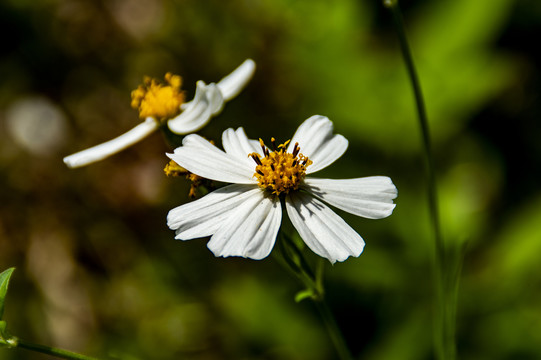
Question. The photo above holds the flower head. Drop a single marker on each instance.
(243, 219)
(157, 100)
(279, 171)
(164, 102)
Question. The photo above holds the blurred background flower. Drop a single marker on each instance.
(98, 270)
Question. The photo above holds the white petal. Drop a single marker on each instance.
(251, 230)
(205, 216)
(102, 151)
(208, 101)
(232, 84)
(236, 143)
(200, 157)
(370, 197)
(326, 233)
(316, 140)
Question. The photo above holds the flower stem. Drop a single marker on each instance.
(332, 328)
(294, 260)
(445, 342)
(49, 350)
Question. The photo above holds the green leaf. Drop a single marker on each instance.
(4, 281)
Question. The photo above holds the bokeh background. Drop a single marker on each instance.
(98, 271)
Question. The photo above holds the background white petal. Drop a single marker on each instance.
(323, 231)
(370, 197)
(236, 143)
(102, 151)
(209, 99)
(200, 157)
(205, 216)
(251, 230)
(317, 141)
(207, 102)
(232, 84)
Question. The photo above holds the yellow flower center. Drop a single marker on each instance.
(158, 100)
(279, 171)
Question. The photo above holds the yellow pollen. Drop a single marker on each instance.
(158, 100)
(279, 171)
(173, 169)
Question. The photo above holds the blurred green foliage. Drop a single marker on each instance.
(4, 283)
(98, 270)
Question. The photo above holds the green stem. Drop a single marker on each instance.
(303, 264)
(49, 350)
(313, 280)
(445, 343)
(432, 197)
(334, 331)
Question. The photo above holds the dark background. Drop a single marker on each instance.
(98, 271)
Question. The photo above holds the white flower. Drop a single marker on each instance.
(243, 218)
(208, 101)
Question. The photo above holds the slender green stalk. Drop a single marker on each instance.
(295, 262)
(332, 328)
(49, 350)
(445, 342)
(432, 196)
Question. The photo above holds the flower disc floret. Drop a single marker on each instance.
(279, 171)
(156, 100)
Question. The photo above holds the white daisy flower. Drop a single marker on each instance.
(243, 219)
(159, 103)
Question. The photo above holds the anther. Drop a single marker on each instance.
(296, 149)
(256, 159)
(260, 172)
(273, 141)
(263, 147)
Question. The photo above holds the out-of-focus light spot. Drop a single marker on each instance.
(37, 125)
(139, 18)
